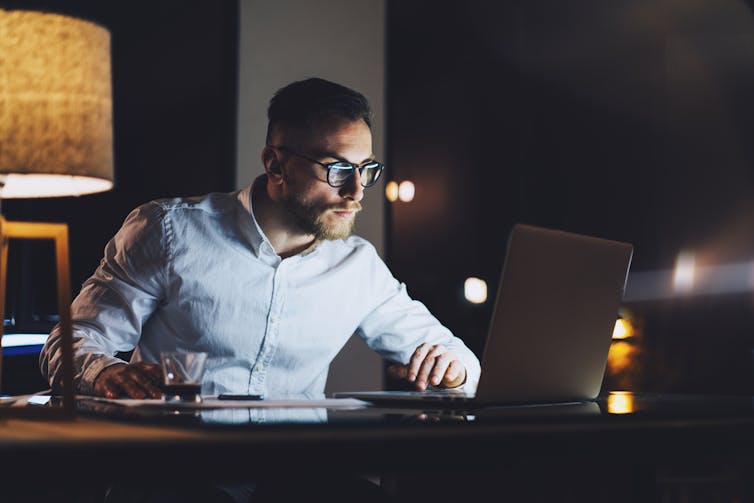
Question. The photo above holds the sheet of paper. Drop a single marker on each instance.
(211, 402)
(24, 400)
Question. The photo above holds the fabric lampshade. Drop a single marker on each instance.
(56, 132)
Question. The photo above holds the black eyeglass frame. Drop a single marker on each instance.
(339, 165)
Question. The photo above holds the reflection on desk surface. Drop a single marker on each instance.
(215, 402)
(289, 409)
(615, 406)
(296, 415)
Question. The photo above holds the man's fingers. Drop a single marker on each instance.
(154, 372)
(133, 384)
(458, 378)
(431, 364)
(144, 385)
(441, 368)
(132, 391)
(431, 360)
(111, 392)
(133, 380)
(454, 374)
(417, 359)
(451, 373)
(104, 384)
(154, 379)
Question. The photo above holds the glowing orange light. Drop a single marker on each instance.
(622, 329)
(620, 402)
(391, 191)
(620, 356)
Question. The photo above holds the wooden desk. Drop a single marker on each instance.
(575, 453)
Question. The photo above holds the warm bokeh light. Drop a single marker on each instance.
(475, 290)
(620, 402)
(391, 191)
(684, 273)
(620, 356)
(624, 359)
(406, 191)
(622, 329)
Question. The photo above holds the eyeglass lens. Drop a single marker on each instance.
(339, 174)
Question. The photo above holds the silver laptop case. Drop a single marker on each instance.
(552, 324)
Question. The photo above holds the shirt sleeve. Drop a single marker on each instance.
(399, 324)
(114, 302)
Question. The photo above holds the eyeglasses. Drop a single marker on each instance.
(339, 172)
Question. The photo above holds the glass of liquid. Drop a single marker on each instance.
(183, 372)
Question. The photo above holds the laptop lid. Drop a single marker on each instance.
(551, 326)
(552, 323)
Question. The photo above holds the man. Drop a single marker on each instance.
(267, 280)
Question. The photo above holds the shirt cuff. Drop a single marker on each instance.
(94, 367)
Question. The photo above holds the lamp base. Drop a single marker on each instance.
(58, 232)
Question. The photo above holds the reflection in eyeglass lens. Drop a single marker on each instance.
(369, 173)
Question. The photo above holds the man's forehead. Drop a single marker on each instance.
(332, 138)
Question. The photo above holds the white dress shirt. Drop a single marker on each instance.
(199, 274)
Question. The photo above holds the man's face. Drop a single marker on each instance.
(313, 205)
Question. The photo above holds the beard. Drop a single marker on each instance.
(318, 219)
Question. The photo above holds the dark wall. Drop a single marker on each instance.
(627, 120)
(174, 76)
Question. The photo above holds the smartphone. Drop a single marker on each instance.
(240, 397)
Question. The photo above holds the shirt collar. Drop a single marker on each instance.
(248, 222)
(256, 236)
(312, 247)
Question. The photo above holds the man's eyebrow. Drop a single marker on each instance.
(343, 159)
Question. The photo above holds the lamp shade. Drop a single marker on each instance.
(56, 133)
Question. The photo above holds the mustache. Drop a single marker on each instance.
(353, 206)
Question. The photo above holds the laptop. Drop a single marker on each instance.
(551, 327)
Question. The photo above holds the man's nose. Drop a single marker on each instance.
(352, 189)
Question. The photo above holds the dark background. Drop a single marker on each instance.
(626, 119)
(174, 77)
(629, 120)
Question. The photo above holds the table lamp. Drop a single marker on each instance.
(55, 135)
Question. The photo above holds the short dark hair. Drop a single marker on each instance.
(305, 104)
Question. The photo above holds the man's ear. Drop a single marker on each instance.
(271, 164)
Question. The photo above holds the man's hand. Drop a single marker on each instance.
(133, 380)
(431, 364)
